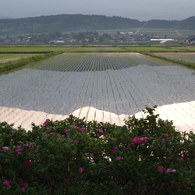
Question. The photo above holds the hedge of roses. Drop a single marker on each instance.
(73, 156)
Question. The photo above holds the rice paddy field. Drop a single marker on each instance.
(105, 87)
(187, 57)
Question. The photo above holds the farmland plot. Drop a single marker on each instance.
(4, 58)
(103, 87)
(187, 57)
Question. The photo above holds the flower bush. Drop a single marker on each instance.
(73, 156)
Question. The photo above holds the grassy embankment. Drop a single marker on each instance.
(181, 62)
(5, 67)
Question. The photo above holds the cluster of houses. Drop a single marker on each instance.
(119, 37)
(190, 40)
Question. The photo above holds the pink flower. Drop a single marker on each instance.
(28, 163)
(56, 134)
(169, 170)
(66, 131)
(136, 140)
(80, 128)
(19, 150)
(143, 139)
(46, 123)
(101, 131)
(113, 149)
(101, 123)
(126, 150)
(130, 145)
(166, 135)
(76, 141)
(55, 123)
(157, 186)
(23, 185)
(5, 148)
(80, 170)
(161, 169)
(44, 133)
(31, 146)
(163, 140)
(9, 135)
(184, 158)
(6, 183)
(119, 158)
(18, 146)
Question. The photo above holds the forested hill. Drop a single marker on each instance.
(187, 24)
(65, 22)
(78, 22)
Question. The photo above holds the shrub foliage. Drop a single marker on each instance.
(73, 156)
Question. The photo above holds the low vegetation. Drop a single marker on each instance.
(145, 156)
(173, 60)
(4, 67)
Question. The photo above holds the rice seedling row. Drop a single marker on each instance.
(88, 95)
(116, 62)
(83, 96)
(117, 85)
(105, 93)
(76, 94)
(133, 89)
(118, 94)
(93, 98)
(150, 88)
(139, 91)
(115, 95)
(121, 82)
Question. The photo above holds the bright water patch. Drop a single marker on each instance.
(97, 62)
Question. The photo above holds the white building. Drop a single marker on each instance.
(163, 41)
(190, 40)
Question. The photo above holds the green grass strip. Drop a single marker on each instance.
(6, 67)
(181, 62)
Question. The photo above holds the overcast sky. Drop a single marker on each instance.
(142, 10)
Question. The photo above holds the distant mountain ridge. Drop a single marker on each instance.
(79, 22)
